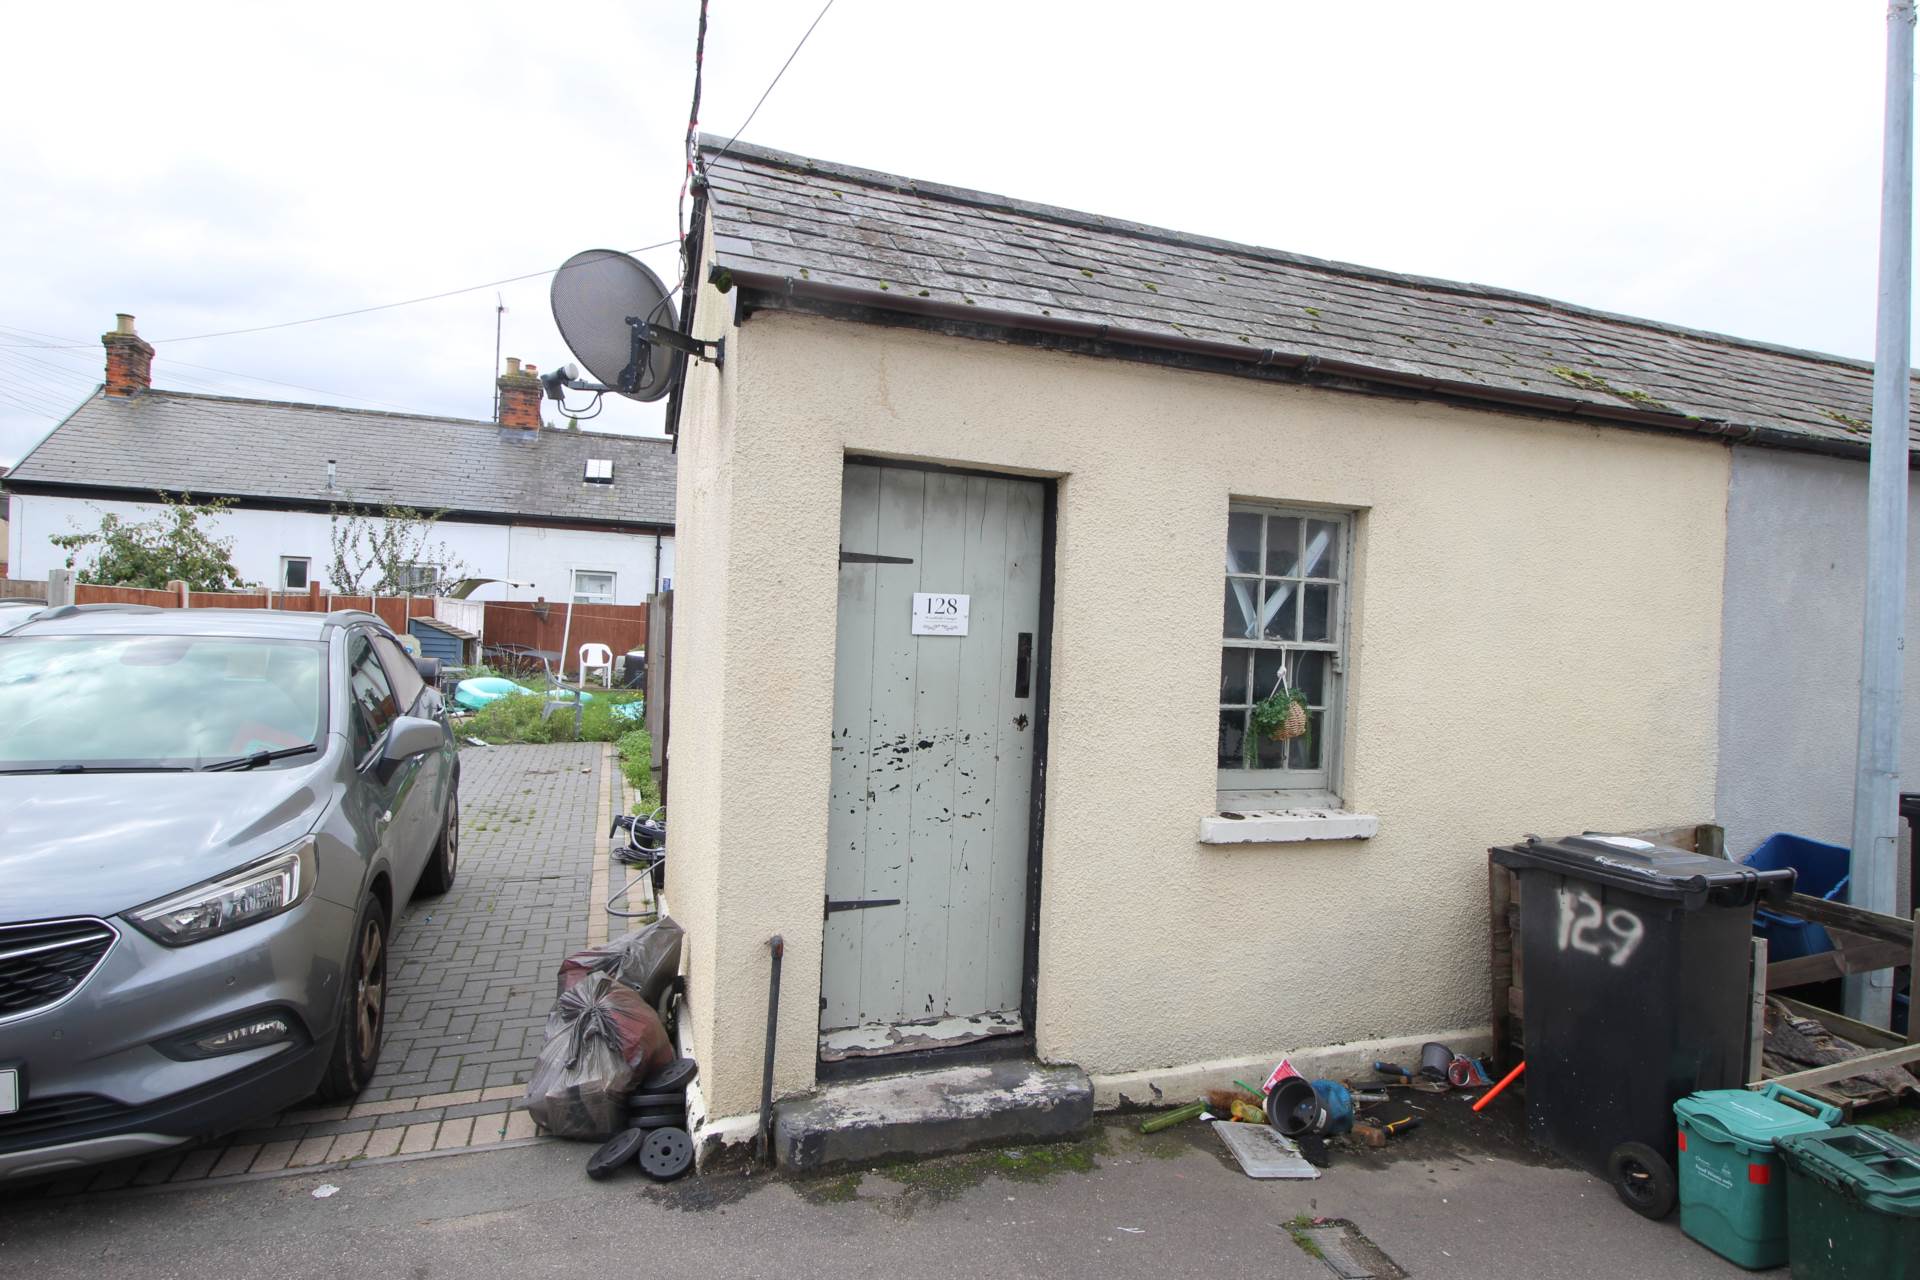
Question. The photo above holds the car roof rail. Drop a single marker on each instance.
(69, 610)
(346, 617)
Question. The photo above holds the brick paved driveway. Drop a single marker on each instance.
(473, 970)
(473, 975)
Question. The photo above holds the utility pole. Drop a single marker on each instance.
(1876, 840)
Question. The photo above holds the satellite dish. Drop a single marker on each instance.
(611, 310)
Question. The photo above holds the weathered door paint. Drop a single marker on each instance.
(932, 763)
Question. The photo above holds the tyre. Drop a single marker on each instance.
(363, 1010)
(1643, 1179)
(445, 862)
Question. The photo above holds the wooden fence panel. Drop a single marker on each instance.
(87, 593)
(393, 610)
(23, 589)
(621, 627)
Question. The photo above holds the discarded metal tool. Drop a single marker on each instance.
(778, 945)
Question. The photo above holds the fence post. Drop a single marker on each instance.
(179, 590)
(59, 586)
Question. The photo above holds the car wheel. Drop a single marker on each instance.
(363, 1013)
(438, 877)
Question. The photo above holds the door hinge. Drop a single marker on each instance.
(859, 904)
(868, 557)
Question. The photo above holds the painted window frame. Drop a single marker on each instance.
(594, 597)
(287, 562)
(1290, 787)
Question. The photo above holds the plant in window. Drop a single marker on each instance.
(1280, 716)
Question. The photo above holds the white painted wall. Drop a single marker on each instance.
(543, 558)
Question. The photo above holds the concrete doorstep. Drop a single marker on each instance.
(931, 1113)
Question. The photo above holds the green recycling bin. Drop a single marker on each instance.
(1733, 1188)
(1853, 1205)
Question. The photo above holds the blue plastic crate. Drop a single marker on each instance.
(1820, 871)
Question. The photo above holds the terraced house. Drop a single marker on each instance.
(1002, 522)
(545, 512)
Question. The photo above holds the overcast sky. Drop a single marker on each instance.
(212, 167)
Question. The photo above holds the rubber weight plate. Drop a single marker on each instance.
(676, 1075)
(660, 1121)
(666, 1154)
(616, 1151)
(657, 1098)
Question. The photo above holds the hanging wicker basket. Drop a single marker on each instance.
(1294, 726)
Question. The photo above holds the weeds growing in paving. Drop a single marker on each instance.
(522, 719)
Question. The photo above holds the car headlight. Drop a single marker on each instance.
(258, 891)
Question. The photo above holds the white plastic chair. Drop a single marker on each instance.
(597, 657)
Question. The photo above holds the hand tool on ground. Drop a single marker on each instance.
(1375, 1133)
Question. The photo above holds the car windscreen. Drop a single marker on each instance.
(157, 701)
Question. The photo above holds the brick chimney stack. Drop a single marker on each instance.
(520, 394)
(129, 359)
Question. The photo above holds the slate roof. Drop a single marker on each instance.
(789, 227)
(276, 451)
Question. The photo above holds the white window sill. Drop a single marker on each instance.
(1285, 826)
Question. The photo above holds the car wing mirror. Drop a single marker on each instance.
(413, 736)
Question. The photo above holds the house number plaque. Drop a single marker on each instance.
(939, 614)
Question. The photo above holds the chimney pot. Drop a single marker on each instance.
(513, 366)
(129, 358)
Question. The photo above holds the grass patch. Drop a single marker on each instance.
(636, 762)
(943, 1177)
(1297, 1228)
(841, 1190)
(520, 719)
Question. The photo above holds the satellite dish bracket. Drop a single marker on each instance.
(646, 332)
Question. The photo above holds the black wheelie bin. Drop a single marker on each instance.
(1636, 960)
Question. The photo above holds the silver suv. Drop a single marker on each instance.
(208, 821)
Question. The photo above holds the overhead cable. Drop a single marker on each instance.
(361, 311)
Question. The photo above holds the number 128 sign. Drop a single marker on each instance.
(939, 614)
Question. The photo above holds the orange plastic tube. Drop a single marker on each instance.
(1494, 1092)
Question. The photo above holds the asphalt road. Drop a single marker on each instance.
(1114, 1206)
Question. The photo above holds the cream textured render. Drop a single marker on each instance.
(1535, 637)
